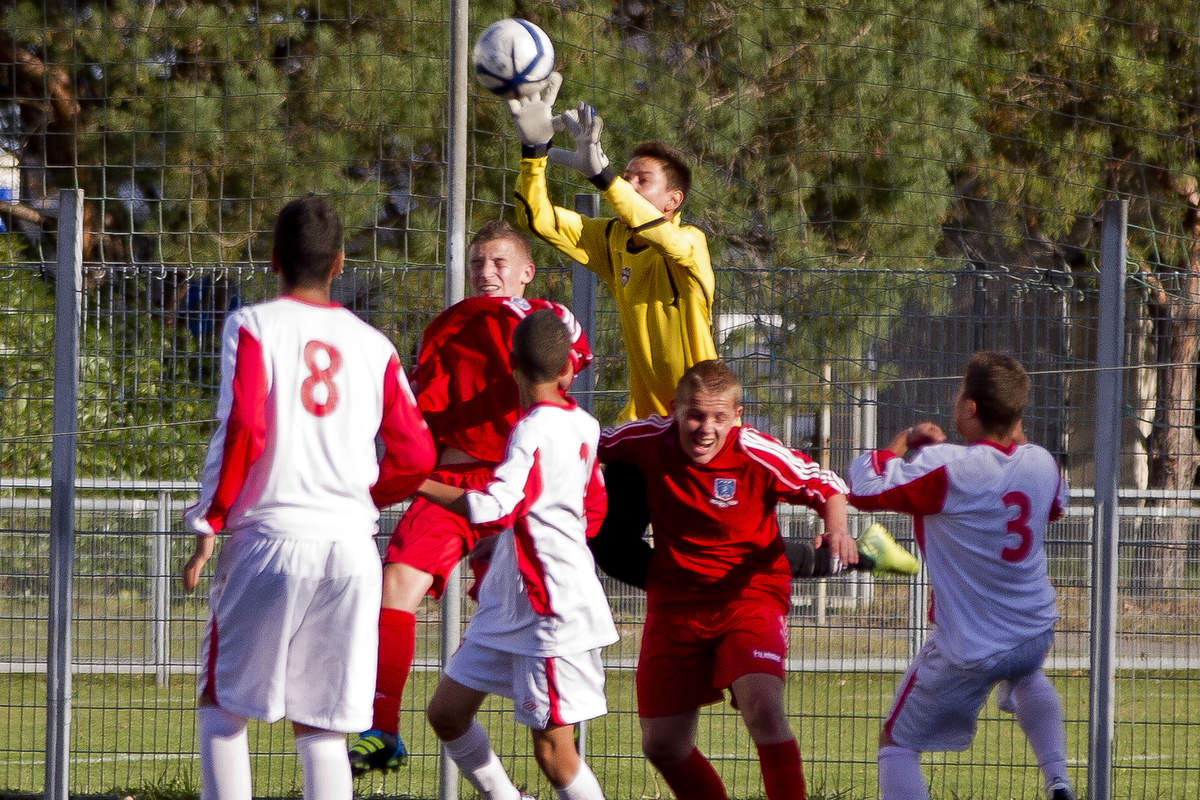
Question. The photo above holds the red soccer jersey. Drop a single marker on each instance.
(464, 384)
(715, 533)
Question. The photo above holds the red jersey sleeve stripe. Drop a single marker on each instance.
(794, 470)
(245, 429)
(924, 495)
(612, 438)
(879, 458)
(1056, 509)
(595, 501)
(581, 353)
(408, 452)
(533, 572)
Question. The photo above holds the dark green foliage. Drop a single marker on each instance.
(837, 150)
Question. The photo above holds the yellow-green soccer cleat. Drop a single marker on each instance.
(889, 557)
(376, 750)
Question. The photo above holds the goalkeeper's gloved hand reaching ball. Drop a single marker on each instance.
(533, 115)
(585, 126)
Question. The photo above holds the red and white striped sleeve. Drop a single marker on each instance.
(881, 481)
(797, 478)
(581, 353)
(624, 442)
(241, 428)
(516, 485)
(408, 451)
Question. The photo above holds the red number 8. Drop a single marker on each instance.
(1019, 527)
(318, 376)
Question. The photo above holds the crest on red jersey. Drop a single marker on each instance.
(723, 492)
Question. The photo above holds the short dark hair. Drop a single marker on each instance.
(999, 386)
(308, 238)
(712, 377)
(541, 346)
(500, 229)
(679, 175)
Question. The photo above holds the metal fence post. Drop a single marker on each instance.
(160, 588)
(1109, 381)
(456, 230)
(67, 301)
(583, 306)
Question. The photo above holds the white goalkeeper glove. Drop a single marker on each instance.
(533, 114)
(585, 126)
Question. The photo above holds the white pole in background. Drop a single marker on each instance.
(68, 295)
(1109, 379)
(456, 236)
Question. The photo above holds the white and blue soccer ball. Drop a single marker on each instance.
(513, 57)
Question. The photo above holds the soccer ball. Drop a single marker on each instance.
(513, 57)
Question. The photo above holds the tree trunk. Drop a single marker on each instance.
(1173, 452)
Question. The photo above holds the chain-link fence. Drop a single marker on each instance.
(884, 191)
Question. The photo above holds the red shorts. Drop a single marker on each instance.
(433, 539)
(689, 657)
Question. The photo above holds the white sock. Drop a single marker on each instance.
(473, 754)
(224, 755)
(1040, 715)
(326, 766)
(900, 776)
(583, 786)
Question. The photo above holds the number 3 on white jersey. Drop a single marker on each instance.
(318, 392)
(1018, 525)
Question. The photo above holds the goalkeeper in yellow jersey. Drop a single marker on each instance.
(657, 268)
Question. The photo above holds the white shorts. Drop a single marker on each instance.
(937, 703)
(545, 690)
(294, 630)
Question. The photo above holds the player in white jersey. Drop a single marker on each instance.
(542, 617)
(980, 512)
(293, 475)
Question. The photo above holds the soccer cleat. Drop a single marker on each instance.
(877, 543)
(376, 750)
(1060, 790)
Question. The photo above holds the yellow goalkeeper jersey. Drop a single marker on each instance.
(658, 271)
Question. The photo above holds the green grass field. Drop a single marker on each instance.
(131, 736)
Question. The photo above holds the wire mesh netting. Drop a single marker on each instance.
(885, 190)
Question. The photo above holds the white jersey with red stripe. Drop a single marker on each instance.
(541, 595)
(980, 514)
(305, 389)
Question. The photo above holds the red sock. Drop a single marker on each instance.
(782, 771)
(694, 778)
(397, 641)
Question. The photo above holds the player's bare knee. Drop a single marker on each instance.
(664, 750)
(404, 587)
(446, 722)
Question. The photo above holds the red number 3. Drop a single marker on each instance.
(320, 376)
(1018, 526)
